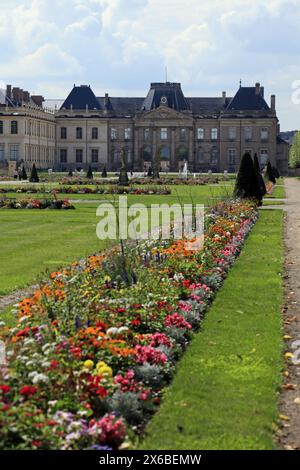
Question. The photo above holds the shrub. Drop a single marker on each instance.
(24, 174)
(104, 172)
(262, 185)
(270, 173)
(247, 184)
(89, 174)
(34, 178)
(70, 173)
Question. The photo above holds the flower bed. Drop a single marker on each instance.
(163, 180)
(35, 204)
(95, 345)
(114, 189)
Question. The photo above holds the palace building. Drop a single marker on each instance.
(164, 127)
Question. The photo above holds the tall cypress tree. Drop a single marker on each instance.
(24, 174)
(89, 174)
(34, 178)
(270, 173)
(262, 185)
(247, 184)
(104, 172)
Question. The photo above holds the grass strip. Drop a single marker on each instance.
(224, 395)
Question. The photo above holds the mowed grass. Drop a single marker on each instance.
(224, 395)
(33, 241)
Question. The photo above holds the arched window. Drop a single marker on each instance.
(146, 154)
(183, 153)
(14, 127)
(200, 155)
(165, 153)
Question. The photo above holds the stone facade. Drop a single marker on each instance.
(165, 128)
(27, 131)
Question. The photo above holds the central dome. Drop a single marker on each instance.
(165, 94)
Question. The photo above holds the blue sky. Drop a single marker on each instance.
(120, 46)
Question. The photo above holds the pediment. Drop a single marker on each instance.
(163, 112)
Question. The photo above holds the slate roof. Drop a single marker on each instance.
(123, 105)
(280, 140)
(81, 97)
(199, 105)
(246, 98)
(171, 91)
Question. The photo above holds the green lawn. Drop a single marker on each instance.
(33, 241)
(225, 392)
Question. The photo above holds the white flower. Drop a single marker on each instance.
(32, 374)
(2, 323)
(40, 378)
(45, 364)
(29, 341)
(123, 329)
(52, 402)
(112, 331)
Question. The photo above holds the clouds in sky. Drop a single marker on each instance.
(120, 46)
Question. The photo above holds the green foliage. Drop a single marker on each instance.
(104, 172)
(263, 189)
(247, 183)
(270, 173)
(294, 158)
(24, 174)
(149, 172)
(89, 173)
(70, 173)
(34, 178)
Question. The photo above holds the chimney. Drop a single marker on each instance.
(273, 103)
(38, 100)
(8, 91)
(106, 100)
(26, 96)
(223, 97)
(257, 88)
(16, 94)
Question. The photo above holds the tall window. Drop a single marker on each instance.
(127, 133)
(79, 155)
(1, 127)
(250, 151)
(264, 133)
(146, 153)
(232, 133)
(200, 155)
(163, 133)
(113, 133)
(63, 132)
(200, 133)
(214, 156)
(248, 133)
(264, 157)
(146, 134)
(231, 156)
(165, 153)
(1, 152)
(214, 133)
(78, 132)
(95, 154)
(183, 134)
(94, 132)
(14, 152)
(14, 127)
(63, 155)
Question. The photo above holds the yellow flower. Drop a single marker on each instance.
(104, 369)
(88, 364)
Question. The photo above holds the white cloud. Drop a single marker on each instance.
(125, 44)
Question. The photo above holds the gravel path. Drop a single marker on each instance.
(289, 434)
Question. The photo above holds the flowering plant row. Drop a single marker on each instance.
(114, 189)
(35, 204)
(97, 342)
(162, 181)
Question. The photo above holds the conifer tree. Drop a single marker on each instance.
(262, 185)
(247, 184)
(24, 174)
(34, 178)
(89, 174)
(104, 172)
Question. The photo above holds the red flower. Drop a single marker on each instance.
(36, 443)
(76, 352)
(186, 282)
(101, 325)
(28, 390)
(4, 389)
(121, 310)
(54, 364)
(23, 332)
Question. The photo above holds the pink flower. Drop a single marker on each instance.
(150, 355)
(160, 338)
(178, 321)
